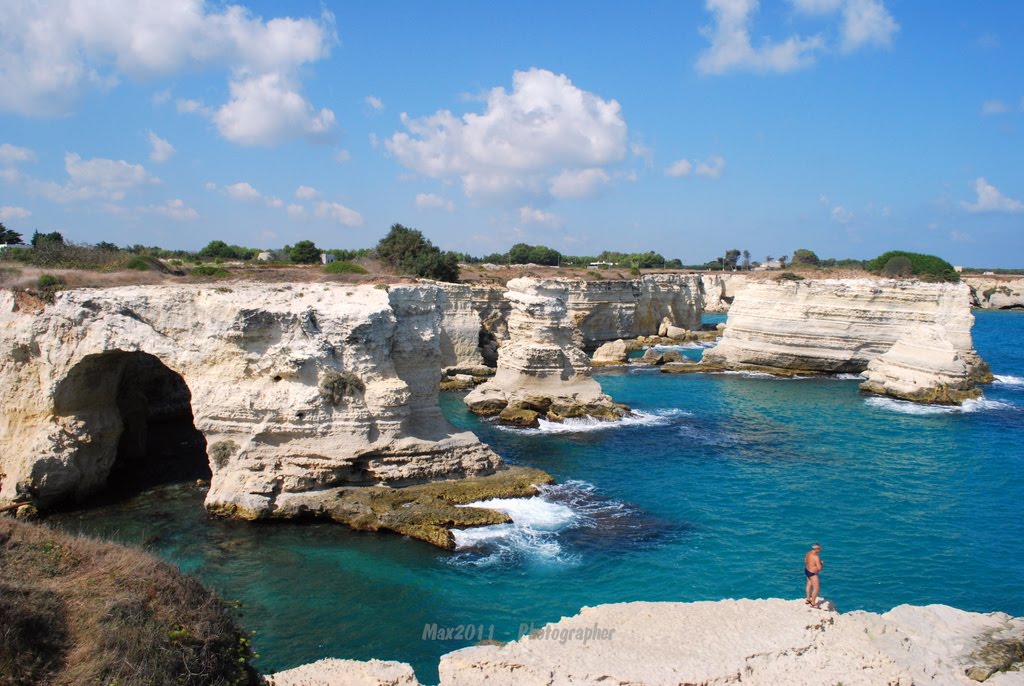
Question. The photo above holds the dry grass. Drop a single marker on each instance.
(78, 611)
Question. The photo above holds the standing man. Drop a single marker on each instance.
(812, 567)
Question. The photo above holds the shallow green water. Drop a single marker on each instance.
(715, 491)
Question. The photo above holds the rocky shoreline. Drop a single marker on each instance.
(756, 642)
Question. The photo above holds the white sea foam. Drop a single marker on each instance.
(748, 374)
(906, 407)
(1009, 380)
(585, 424)
(532, 533)
(678, 346)
(536, 525)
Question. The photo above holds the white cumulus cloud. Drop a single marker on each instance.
(8, 212)
(242, 190)
(296, 211)
(175, 209)
(866, 22)
(96, 178)
(531, 215)
(841, 215)
(578, 183)
(306, 193)
(161, 150)
(712, 167)
(374, 102)
(55, 52)
(679, 168)
(13, 154)
(731, 47)
(267, 109)
(523, 141)
(990, 199)
(430, 201)
(339, 213)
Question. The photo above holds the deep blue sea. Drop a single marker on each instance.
(715, 490)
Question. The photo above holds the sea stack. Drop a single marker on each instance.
(913, 338)
(542, 369)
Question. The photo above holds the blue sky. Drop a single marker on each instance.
(849, 127)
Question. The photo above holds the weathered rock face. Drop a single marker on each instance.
(923, 366)
(542, 367)
(295, 388)
(331, 672)
(720, 290)
(768, 642)
(996, 293)
(609, 310)
(474, 323)
(838, 326)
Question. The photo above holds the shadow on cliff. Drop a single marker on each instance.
(134, 424)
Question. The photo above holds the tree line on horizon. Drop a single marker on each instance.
(408, 251)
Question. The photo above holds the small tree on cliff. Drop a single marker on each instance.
(805, 258)
(407, 251)
(304, 252)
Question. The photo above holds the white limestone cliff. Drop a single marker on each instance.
(996, 292)
(294, 388)
(609, 310)
(752, 642)
(838, 326)
(542, 368)
(755, 642)
(474, 323)
(922, 366)
(720, 289)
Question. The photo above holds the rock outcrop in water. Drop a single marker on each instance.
(283, 390)
(841, 326)
(995, 292)
(609, 310)
(542, 370)
(753, 642)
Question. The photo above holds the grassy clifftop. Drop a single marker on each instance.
(78, 611)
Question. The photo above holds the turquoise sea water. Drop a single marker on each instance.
(715, 491)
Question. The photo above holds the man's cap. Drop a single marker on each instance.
(815, 546)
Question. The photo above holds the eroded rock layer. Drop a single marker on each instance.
(609, 310)
(294, 388)
(838, 326)
(542, 369)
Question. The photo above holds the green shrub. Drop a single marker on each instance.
(138, 263)
(221, 452)
(49, 282)
(789, 276)
(216, 272)
(595, 275)
(342, 267)
(409, 252)
(924, 267)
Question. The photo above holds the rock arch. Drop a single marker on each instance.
(131, 418)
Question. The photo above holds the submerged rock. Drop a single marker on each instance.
(426, 511)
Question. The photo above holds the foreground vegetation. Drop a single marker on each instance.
(78, 611)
